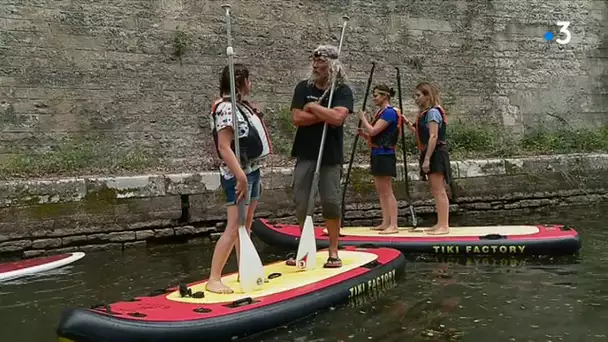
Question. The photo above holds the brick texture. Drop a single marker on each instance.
(69, 67)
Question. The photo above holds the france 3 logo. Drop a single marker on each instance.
(564, 34)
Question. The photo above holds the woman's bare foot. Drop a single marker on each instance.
(433, 228)
(383, 226)
(216, 286)
(390, 230)
(438, 230)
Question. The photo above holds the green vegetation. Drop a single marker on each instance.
(74, 156)
(487, 141)
(467, 140)
(282, 130)
(180, 43)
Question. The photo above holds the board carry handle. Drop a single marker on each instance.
(492, 237)
(274, 275)
(137, 314)
(241, 302)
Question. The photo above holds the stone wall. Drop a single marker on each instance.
(120, 212)
(140, 74)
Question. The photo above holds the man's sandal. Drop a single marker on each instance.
(291, 259)
(333, 263)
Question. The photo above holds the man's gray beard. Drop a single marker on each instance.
(314, 78)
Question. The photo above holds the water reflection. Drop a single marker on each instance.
(439, 299)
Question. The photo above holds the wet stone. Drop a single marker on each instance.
(46, 243)
(14, 246)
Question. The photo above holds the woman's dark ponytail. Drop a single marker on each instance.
(241, 74)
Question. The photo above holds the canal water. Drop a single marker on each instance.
(551, 299)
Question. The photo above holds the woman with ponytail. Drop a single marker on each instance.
(239, 182)
(430, 129)
(382, 135)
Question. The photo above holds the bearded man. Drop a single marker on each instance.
(309, 115)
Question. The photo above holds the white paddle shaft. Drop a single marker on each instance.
(315, 180)
(306, 256)
(235, 122)
(251, 269)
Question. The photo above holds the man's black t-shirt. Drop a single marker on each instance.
(308, 138)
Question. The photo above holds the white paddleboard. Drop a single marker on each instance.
(17, 269)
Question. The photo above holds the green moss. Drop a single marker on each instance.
(31, 200)
(180, 44)
(51, 210)
(361, 181)
(101, 199)
(75, 156)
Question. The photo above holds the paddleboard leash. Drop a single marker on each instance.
(406, 181)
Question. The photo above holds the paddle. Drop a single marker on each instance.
(414, 220)
(352, 153)
(307, 248)
(251, 269)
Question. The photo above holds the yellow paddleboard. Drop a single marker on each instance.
(290, 278)
(288, 295)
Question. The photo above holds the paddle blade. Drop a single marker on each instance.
(251, 269)
(307, 249)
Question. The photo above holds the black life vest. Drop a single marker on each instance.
(423, 133)
(386, 139)
(255, 145)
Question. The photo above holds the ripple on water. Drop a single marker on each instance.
(539, 299)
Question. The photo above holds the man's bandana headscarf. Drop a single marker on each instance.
(330, 53)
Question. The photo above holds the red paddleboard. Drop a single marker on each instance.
(190, 313)
(505, 240)
(17, 269)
